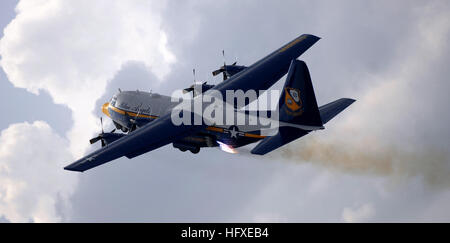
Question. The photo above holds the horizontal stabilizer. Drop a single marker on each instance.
(330, 110)
(284, 136)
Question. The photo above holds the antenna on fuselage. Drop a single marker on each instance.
(120, 91)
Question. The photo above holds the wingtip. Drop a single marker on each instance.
(71, 167)
(258, 152)
(347, 100)
(317, 37)
(351, 100)
(313, 36)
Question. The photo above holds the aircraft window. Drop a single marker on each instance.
(113, 101)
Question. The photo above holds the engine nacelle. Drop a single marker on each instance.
(194, 143)
(197, 89)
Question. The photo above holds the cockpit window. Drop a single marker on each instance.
(113, 101)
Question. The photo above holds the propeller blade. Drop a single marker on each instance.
(187, 90)
(101, 123)
(94, 140)
(113, 131)
(223, 55)
(218, 71)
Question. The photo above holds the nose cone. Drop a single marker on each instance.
(105, 109)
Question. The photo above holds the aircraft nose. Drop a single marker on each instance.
(105, 109)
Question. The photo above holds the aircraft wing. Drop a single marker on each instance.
(149, 137)
(267, 71)
(259, 76)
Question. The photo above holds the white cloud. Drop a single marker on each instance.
(358, 214)
(72, 48)
(32, 179)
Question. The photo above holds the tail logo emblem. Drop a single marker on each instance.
(292, 99)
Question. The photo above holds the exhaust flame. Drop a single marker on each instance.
(226, 148)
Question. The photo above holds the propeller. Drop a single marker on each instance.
(191, 88)
(101, 135)
(134, 121)
(195, 86)
(223, 69)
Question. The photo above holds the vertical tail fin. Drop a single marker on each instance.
(298, 110)
(298, 103)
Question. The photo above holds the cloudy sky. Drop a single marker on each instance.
(385, 159)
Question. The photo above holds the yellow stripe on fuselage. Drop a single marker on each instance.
(251, 135)
(221, 130)
(107, 106)
(122, 112)
(215, 129)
